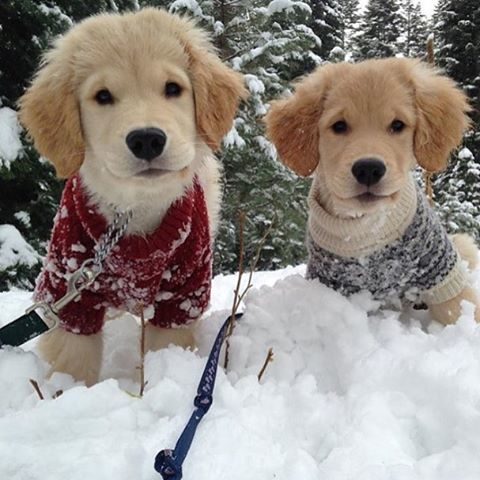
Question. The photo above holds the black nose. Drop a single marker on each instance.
(146, 143)
(368, 171)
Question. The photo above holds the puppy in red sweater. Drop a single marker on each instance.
(130, 108)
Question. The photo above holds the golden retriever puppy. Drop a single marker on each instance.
(130, 108)
(360, 129)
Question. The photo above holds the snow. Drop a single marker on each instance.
(10, 144)
(255, 85)
(355, 392)
(465, 154)
(14, 249)
(277, 6)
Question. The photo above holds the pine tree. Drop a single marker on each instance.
(29, 188)
(350, 15)
(415, 29)
(327, 24)
(271, 45)
(457, 28)
(458, 195)
(379, 34)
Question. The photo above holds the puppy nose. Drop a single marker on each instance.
(368, 171)
(146, 143)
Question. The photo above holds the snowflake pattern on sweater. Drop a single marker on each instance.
(169, 269)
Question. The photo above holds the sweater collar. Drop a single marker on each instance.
(172, 232)
(357, 237)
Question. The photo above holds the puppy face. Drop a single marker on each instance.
(139, 122)
(367, 140)
(134, 96)
(362, 127)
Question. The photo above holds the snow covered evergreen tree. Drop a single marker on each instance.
(458, 195)
(350, 15)
(271, 43)
(29, 188)
(379, 33)
(457, 29)
(415, 29)
(327, 24)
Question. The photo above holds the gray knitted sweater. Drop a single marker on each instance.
(402, 252)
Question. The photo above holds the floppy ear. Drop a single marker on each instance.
(49, 111)
(218, 91)
(441, 117)
(292, 123)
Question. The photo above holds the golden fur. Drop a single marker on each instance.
(369, 97)
(133, 56)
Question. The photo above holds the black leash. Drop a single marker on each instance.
(23, 329)
(168, 463)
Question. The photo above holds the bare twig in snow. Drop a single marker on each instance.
(142, 352)
(268, 359)
(238, 297)
(36, 387)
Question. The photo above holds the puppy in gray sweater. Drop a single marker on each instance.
(360, 130)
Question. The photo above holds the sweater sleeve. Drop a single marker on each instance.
(450, 286)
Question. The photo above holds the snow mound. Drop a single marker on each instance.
(355, 392)
(10, 144)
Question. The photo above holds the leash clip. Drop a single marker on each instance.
(49, 317)
(79, 280)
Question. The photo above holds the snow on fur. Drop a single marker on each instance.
(354, 392)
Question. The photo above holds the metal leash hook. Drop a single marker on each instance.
(79, 280)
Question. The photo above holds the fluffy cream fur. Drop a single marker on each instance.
(133, 56)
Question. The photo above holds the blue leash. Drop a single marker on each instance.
(168, 463)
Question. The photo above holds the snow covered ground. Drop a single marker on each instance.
(354, 392)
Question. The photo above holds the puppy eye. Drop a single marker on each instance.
(172, 89)
(104, 97)
(397, 126)
(340, 127)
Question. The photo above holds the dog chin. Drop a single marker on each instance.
(364, 204)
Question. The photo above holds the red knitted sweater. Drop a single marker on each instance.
(169, 269)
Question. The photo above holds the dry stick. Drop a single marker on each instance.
(142, 353)
(268, 359)
(57, 394)
(427, 176)
(37, 388)
(238, 297)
